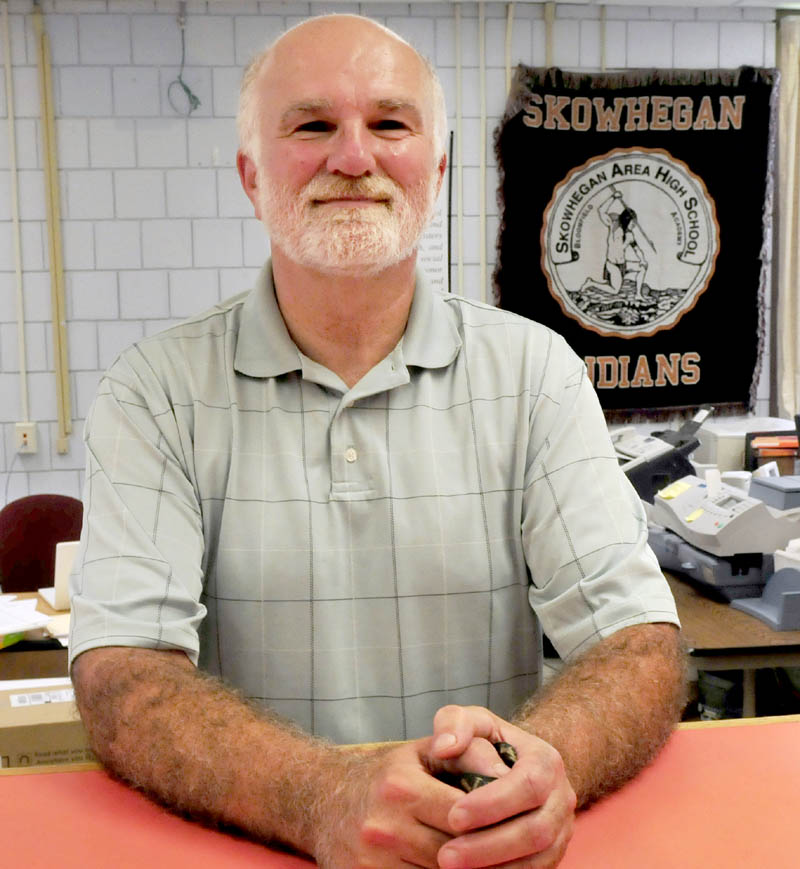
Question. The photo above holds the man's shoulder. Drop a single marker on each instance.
(172, 359)
(196, 334)
(503, 342)
(211, 323)
(486, 318)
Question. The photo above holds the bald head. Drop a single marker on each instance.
(347, 36)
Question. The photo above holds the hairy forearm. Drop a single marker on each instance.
(610, 712)
(200, 748)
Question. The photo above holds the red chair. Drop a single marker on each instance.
(30, 527)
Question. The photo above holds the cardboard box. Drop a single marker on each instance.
(24, 661)
(41, 658)
(41, 727)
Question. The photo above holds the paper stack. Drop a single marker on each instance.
(17, 618)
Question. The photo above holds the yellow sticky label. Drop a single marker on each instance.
(695, 514)
(674, 489)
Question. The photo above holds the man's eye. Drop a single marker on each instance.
(315, 127)
(389, 125)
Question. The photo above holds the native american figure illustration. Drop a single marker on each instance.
(625, 258)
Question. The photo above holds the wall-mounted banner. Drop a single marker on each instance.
(635, 221)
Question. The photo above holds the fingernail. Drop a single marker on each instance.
(458, 819)
(499, 769)
(445, 741)
(448, 858)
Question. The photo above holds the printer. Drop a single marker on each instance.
(722, 537)
(651, 461)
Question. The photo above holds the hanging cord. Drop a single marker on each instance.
(603, 31)
(509, 34)
(459, 160)
(192, 102)
(482, 145)
(450, 216)
(8, 478)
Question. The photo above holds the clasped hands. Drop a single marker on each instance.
(408, 817)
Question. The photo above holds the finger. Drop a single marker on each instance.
(412, 792)
(454, 727)
(413, 845)
(548, 859)
(480, 757)
(536, 839)
(410, 823)
(536, 778)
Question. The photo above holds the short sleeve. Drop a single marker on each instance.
(584, 528)
(138, 579)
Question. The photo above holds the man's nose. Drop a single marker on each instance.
(351, 151)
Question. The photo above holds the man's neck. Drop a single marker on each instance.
(346, 323)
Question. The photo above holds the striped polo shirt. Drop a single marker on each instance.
(357, 557)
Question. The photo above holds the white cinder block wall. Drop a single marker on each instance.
(155, 227)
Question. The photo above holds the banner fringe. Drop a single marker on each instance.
(767, 242)
(668, 414)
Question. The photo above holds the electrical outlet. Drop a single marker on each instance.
(26, 437)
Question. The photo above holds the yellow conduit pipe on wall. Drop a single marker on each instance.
(53, 205)
(549, 25)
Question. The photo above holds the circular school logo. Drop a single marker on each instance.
(629, 242)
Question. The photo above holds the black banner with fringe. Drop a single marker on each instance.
(635, 217)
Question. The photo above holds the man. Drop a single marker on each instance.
(327, 491)
(624, 255)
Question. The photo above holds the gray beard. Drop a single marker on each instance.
(359, 240)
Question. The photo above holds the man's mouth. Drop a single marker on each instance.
(350, 201)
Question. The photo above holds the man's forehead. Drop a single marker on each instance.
(326, 34)
(325, 56)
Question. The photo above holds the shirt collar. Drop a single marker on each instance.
(431, 339)
(264, 347)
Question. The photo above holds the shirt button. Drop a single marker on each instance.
(351, 454)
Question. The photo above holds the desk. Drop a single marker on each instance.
(720, 795)
(80, 818)
(722, 638)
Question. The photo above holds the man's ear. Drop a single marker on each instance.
(248, 175)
